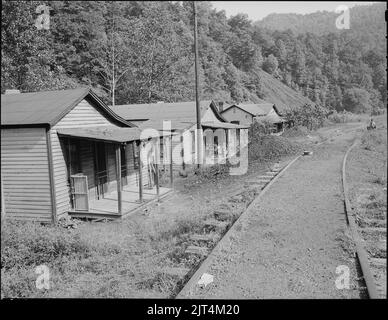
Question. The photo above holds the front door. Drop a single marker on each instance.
(101, 170)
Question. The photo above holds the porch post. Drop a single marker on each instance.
(171, 173)
(157, 159)
(140, 173)
(157, 179)
(118, 177)
(183, 153)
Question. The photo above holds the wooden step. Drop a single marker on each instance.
(176, 271)
(197, 250)
(202, 237)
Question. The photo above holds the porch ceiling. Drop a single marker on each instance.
(110, 134)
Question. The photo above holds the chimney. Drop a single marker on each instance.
(12, 91)
(220, 106)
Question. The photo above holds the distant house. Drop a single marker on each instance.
(248, 113)
(67, 152)
(182, 116)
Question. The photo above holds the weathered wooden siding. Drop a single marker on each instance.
(83, 115)
(24, 167)
(236, 114)
(132, 173)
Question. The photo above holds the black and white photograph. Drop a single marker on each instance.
(189, 157)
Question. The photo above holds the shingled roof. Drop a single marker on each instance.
(255, 109)
(48, 107)
(176, 111)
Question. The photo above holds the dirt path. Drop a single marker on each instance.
(295, 238)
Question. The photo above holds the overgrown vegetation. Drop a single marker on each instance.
(263, 147)
(150, 44)
(309, 116)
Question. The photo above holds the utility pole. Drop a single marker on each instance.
(113, 56)
(198, 110)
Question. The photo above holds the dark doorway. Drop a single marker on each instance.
(124, 172)
(100, 170)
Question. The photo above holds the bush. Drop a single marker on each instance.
(268, 147)
(309, 116)
(212, 172)
(343, 117)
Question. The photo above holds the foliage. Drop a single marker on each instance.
(309, 116)
(260, 127)
(357, 100)
(269, 147)
(270, 64)
(142, 51)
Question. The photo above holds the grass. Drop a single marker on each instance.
(125, 259)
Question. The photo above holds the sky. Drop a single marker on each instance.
(257, 10)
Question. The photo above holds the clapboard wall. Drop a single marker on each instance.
(25, 173)
(82, 115)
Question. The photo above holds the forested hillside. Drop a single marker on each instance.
(143, 52)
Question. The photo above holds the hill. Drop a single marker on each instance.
(281, 95)
(142, 52)
(365, 18)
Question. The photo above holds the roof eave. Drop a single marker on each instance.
(29, 125)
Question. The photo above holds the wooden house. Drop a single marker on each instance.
(182, 119)
(247, 113)
(66, 152)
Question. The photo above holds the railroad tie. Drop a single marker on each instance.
(378, 262)
(176, 271)
(216, 224)
(202, 251)
(202, 237)
(378, 230)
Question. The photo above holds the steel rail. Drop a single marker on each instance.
(360, 250)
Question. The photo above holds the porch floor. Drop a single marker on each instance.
(108, 206)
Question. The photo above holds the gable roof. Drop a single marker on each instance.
(255, 109)
(48, 107)
(179, 112)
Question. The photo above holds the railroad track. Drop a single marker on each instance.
(369, 234)
(205, 245)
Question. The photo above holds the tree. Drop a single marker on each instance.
(270, 64)
(356, 100)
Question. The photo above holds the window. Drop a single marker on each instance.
(72, 154)
(216, 146)
(235, 122)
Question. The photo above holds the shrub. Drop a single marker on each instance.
(268, 147)
(309, 116)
